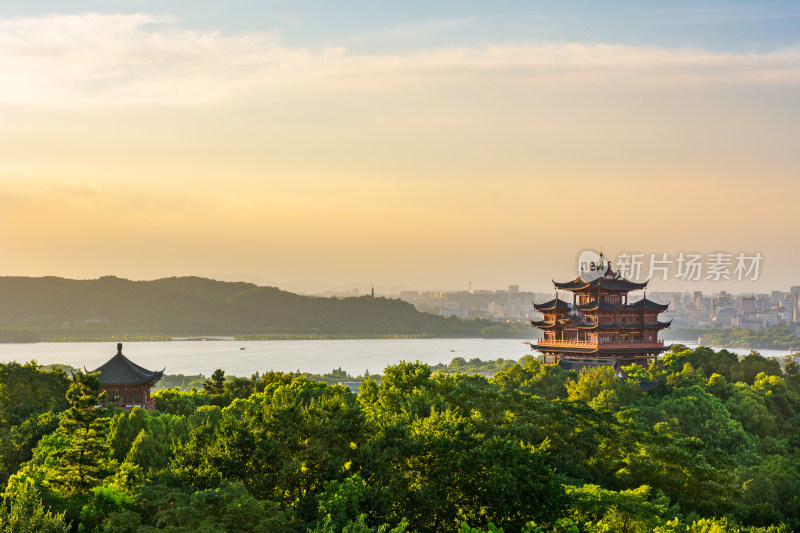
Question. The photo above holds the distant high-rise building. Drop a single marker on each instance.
(697, 296)
(513, 289)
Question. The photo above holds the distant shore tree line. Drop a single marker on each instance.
(715, 447)
(772, 338)
(112, 338)
(327, 336)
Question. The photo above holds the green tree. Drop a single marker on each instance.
(594, 380)
(547, 381)
(28, 389)
(772, 492)
(627, 511)
(228, 508)
(103, 501)
(17, 443)
(124, 427)
(678, 467)
(754, 364)
(406, 391)
(177, 402)
(215, 385)
(438, 471)
(238, 387)
(84, 462)
(702, 415)
(749, 408)
(283, 444)
(21, 511)
(357, 525)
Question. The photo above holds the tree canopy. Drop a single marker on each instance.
(714, 447)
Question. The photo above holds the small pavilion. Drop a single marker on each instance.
(127, 385)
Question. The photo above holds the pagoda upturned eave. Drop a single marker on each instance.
(119, 370)
(548, 324)
(602, 305)
(610, 284)
(553, 305)
(576, 346)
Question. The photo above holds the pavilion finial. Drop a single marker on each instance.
(119, 347)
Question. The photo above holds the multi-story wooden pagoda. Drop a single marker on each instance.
(127, 385)
(600, 326)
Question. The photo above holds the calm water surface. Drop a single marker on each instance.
(315, 356)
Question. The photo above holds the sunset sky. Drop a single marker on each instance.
(423, 145)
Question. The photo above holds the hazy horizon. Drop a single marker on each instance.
(316, 288)
(418, 145)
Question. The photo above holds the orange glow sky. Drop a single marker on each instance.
(136, 146)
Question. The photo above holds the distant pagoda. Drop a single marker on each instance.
(600, 326)
(127, 385)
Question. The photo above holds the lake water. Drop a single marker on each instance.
(315, 356)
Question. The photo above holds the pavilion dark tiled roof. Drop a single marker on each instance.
(119, 370)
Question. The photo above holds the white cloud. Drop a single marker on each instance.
(90, 59)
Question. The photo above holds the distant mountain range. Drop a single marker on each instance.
(200, 306)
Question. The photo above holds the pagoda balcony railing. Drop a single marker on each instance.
(149, 404)
(601, 344)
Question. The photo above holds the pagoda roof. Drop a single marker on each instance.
(649, 305)
(554, 304)
(542, 323)
(613, 325)
(576, 284)
(611, 284)
(597, 350)
(119, 370)
(601, 278)
(602, 305)
(635, 325)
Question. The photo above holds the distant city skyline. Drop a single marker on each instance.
(424, 145)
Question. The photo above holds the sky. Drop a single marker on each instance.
(406, 145)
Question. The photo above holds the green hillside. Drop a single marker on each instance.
(52, 306)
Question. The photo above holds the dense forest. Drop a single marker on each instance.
(64, 309)
(715, 447)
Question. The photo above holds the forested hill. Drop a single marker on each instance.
(199, 306)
